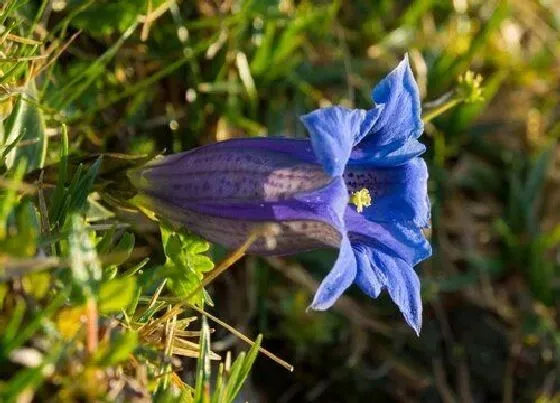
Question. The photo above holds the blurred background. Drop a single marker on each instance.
(144, 76)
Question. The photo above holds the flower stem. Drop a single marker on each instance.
(433, 113)
(247, 340)
(225, 264)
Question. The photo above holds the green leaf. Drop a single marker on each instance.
(184, 266)
(133, 304)
(105, 243)
(80, 189)
(134, 269)
(74, 198)
(26, 123)
(202, 383)
(115, 295)
(24, 231)
(6, 150)
(261, 59)
(119, 253)
(15, 320)
(219, 389)
(58, 199)
(240, 370)
(9, 197)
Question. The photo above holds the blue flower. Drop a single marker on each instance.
(358, 184)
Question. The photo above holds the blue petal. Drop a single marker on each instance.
(339, 279)
(404, 242)
(399, 194)
(398, 277)
(334, 131)
(401, 116)
(394, 154)
(392, 139)
(369, 281)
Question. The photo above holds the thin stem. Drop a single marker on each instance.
(433, 113)
(225, 264)
(92, 325)
(247, 340)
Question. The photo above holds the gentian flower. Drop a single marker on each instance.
(358, 184)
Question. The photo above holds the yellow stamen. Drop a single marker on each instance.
(361, 199)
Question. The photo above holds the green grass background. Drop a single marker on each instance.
(134, 78)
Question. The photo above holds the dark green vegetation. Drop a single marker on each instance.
(136, 77)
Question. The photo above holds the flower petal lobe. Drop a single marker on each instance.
(338, 280)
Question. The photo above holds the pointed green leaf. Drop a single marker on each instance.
(26, 123)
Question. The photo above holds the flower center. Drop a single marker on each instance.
(361, 199)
